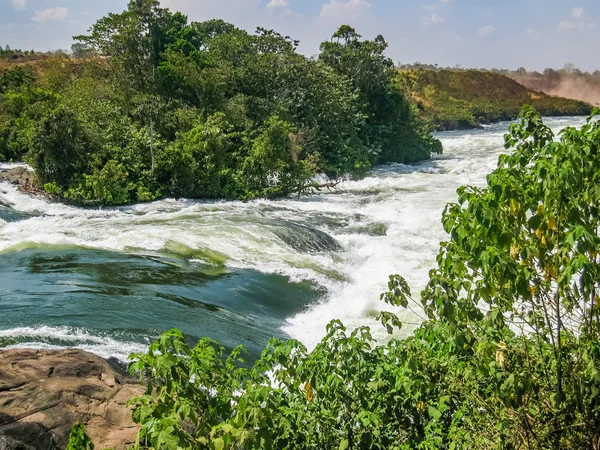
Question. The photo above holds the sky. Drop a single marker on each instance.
(534, 34)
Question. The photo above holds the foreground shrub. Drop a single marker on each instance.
(509, 357)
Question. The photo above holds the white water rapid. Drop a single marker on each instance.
(345, 242)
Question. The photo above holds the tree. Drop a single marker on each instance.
(527, 246)
(124, 39)
(61, 148)
(79, 50)
(391, 132)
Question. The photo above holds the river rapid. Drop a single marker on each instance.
(110, 280)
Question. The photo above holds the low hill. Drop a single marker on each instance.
(461, 99)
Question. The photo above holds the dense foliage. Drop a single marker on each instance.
(509, 357)
(162, 107)
(454, 99)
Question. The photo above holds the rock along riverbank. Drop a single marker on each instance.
(18, 175)
(44, 393)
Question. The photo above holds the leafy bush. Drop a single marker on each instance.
(60, 147)
(79, 440)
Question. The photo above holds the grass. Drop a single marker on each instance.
(453, 99)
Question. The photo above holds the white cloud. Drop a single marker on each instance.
(436, 6)
(340, 9)
(534, 35)
(568, 25)
(486, 31)
(19, 5)
(51, 15)
(577, 12)
(434, 19)
(578, 22)
(278, 4)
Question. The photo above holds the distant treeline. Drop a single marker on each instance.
(456, 99)
(7, 52)
(569, 82)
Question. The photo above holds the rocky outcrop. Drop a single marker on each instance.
(24, 178)
(19, 175)
(44, 393)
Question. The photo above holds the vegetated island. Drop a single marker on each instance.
(452, 99)
(161, 107)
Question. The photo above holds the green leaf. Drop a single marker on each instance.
(434, 413)
(218, 444)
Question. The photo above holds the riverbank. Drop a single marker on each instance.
(44, 393)
(466, 99)
(16, 174)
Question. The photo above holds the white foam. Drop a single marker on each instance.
(9, 166)
(101, 345)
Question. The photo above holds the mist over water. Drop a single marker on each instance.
(110, 280)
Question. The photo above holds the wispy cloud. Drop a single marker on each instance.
(19, 5)
(56, 14)
(349, 9)
(534, 35)
(432, 20)
(273, 4)
(577, 22)
(577, 12)
(486, 31)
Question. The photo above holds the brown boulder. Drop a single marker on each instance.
(44, 393)
(19, 175)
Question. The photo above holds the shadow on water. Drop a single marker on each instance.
(135, 297)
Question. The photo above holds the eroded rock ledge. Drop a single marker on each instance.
(18, 175)
(44, 393)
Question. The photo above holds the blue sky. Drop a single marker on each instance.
(471, 33)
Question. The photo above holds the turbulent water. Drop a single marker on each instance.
(110, 280)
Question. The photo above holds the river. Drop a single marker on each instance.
(110, 280)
